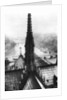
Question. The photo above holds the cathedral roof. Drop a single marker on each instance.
(21, 56)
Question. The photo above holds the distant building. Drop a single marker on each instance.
(7, 62)
(19, 63)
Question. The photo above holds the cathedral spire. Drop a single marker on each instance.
(29, 37)
(29, 26)
(29, 46)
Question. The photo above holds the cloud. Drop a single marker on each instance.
(9, 45)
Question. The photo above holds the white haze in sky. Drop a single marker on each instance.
(44, 20)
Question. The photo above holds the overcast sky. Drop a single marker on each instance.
(44, 20)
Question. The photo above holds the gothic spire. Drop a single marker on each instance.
(29, 45)
(29, 37)
(29, 26)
